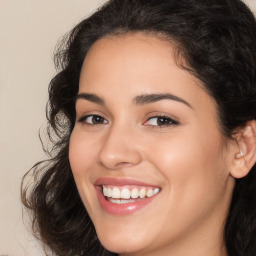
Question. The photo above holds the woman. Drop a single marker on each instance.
(154, 106)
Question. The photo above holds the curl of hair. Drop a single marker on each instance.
(217, 40)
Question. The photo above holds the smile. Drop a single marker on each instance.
(128, 194)
(123, 197)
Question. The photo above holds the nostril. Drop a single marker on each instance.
(124, 164)
(100, 163)
(115, 166)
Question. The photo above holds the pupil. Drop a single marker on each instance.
(97, 119)
(162, 121)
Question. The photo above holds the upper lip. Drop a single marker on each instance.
(121, 182)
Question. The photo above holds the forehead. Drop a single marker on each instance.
(132, 58)
(140, 61)
(136, 43)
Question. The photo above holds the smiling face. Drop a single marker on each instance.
(146, 132)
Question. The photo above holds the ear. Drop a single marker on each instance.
(245, 155)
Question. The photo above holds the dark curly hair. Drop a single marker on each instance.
(217, 38)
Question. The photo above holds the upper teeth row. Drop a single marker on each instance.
(126, 193)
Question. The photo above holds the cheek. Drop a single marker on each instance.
(192, 165)
(194, 178)
(182, 149)
(82, 152)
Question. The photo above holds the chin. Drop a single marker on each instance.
(123, 241)
(121, 246)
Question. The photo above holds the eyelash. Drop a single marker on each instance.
(83, 119)
(167, 121)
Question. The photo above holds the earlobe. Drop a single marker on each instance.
(245, 156)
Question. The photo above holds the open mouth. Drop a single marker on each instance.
(127, 194)
(121, 197)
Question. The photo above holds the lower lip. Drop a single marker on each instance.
(121, 209)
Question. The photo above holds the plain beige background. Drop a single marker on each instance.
(29, 32)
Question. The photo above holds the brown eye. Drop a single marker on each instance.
(164, 121)
(93, 120)
(160, 121)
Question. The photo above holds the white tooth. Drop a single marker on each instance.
(150, 193)
(124, 201)
(114, 201)
(105, 191)
(109, 192)
(142, 193)
(115, 193)
(156, 190)
(135, 193)
(125, 193)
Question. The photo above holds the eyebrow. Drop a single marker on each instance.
(151, 98)
(138, 100)
(90, 97)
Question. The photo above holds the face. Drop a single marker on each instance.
(146, 152)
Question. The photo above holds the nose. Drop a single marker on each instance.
(119, 149)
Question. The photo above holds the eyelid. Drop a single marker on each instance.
(87, 115)
(173, 121)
